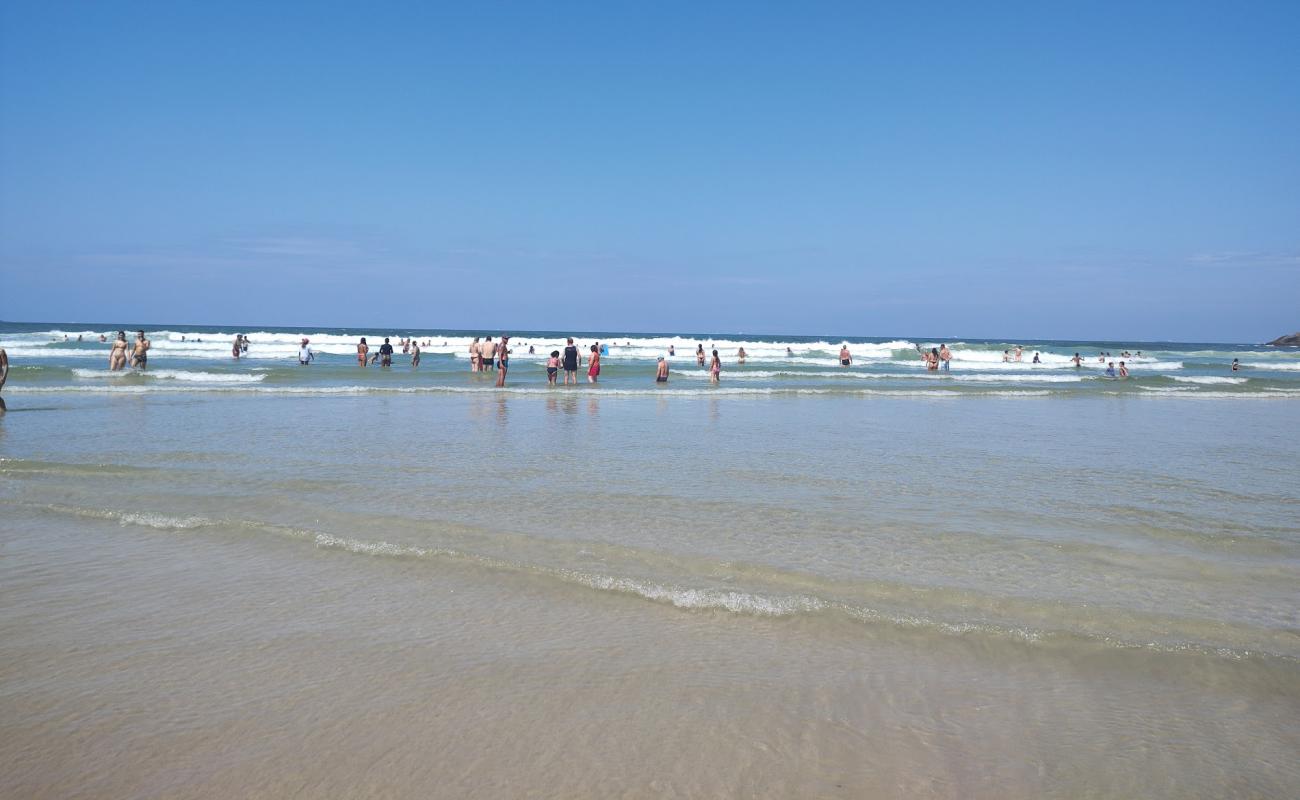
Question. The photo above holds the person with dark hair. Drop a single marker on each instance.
(386, 353)
(715, 368)
(503, 361)
(661, 372)
(117, 356)
(699, 353)
(932, 362)
(552, 367)
(570, 362)
(415, 353)
(363, 350)
(140, 356)
(593, 371)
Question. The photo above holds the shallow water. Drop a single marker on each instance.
(216, 593)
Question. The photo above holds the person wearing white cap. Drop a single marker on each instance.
(305, 354)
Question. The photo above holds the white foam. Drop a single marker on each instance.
(1206, 379)
(1288, 366)
(173, 374)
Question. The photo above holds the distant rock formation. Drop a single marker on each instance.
(1287, 341)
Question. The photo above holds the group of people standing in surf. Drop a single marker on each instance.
(138, 356)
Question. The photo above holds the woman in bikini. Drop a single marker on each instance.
(362, 350)
(715, 368)
(117, 356)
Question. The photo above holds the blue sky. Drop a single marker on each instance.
(1049, 170)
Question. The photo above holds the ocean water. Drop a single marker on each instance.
(231, 577)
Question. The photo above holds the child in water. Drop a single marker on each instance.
(552, 367)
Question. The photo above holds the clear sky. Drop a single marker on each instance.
(1031, 170)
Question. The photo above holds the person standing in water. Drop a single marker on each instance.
(741, 355)
(661, 372)
(1036, 361)
(386, 354)
(1123, 370)
(846, 358)
(305, 355)
(672, 351)
(945, 355)
(699, 354)
(473, 355)
(1235, 365)
(593, 371)
(503, 361)
(552, 367)
(4, 368)
(570, 363)
(363, 352)
(234, 349)
(117, 356)
(140, 357)
(1110, 370)
(715, 368)
(932, 361)
(1078, 361)
(415, 354)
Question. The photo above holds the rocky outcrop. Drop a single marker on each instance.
(1287, 341)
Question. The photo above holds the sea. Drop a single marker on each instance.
(248, 577)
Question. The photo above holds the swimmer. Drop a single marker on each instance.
(473, 355)
(1036, 361)
(4, 368)
(715, 368)
(415, 354)
(117, 356)
(661, 371)
(487, 354)
(305, 355)
(945, 355)
(671, 350)
(140, 356)
(699, 354)
(846, 358)
(1078, 361)
(103, 338)
(1006, 356)
(234, 349)
(1019, 352)
(593, 371)
(503, 363)
(741, 355)
(1235, 365)
(385, 354)
(932, 360)
(1123, 370)
(552, 367)
(363, 351)
(789, 352)
(570, 363)
(1110, 370)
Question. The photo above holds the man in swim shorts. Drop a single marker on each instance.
(661, 373)
(846, 359)
(386, 354)
(140, 357)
